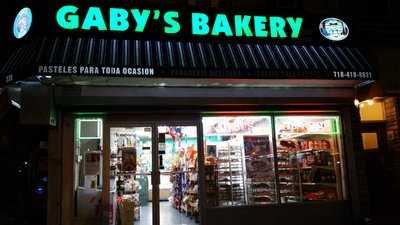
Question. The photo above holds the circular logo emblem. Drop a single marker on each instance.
(22, 23)
(334, 29)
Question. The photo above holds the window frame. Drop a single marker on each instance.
(273, 115)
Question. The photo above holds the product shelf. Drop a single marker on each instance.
(313, 150)
(315, 167)
(320, 184)
(308, 136)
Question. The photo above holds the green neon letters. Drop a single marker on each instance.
(173, 25)
(94, 18)
(66, 17)
(260, 26)
(221, 25)
(242, 25)
(295, 25)
(141, 18)
(245, 25)
(277, 25)
(199, 24)
(70, 17)
(119, 21)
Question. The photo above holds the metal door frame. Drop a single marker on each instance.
(155, 172)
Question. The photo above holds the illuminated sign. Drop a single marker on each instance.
(334, 29)
(22, 23)
(70, 17)
(95, 70)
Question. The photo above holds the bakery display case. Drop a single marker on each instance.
(260, 171)
(308, 158)
(230, 174)
(243, 166)
(211, 191)
(239, 169)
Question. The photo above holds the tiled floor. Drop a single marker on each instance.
(168, 216)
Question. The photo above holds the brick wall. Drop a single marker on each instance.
(392, 123)
(392, 110)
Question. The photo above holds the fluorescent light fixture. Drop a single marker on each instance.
(16, 104)
(356, 102)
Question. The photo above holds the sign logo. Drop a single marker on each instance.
(22, 23)
(334, 29)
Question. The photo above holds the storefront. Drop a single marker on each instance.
(236, 119)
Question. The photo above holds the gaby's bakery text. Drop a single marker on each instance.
(94, 18)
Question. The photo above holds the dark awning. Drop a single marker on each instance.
(192, 59)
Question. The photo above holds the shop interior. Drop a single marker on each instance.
(243, 165)
(130, 175)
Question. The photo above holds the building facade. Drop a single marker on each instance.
(228, 130)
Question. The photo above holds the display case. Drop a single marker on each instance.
(211, 177)
(231, 189)
(260, 169)
(243, 166)
(309, 162)
(239, 162)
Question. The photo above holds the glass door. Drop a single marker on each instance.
(131, 166)
(153, 175)
(178, 186)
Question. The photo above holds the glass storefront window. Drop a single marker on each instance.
(239, 162)
(88, 168)
(309, 162)
(240, 159)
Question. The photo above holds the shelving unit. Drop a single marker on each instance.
(211, 177)
(261, 192)
(288, 176)
(131, 196)
(302, 162)
(184, 179)
(230, 178)
(262, 189)
(190, 207)
(306, 162)
(129, 182)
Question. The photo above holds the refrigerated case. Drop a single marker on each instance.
(244, 165)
